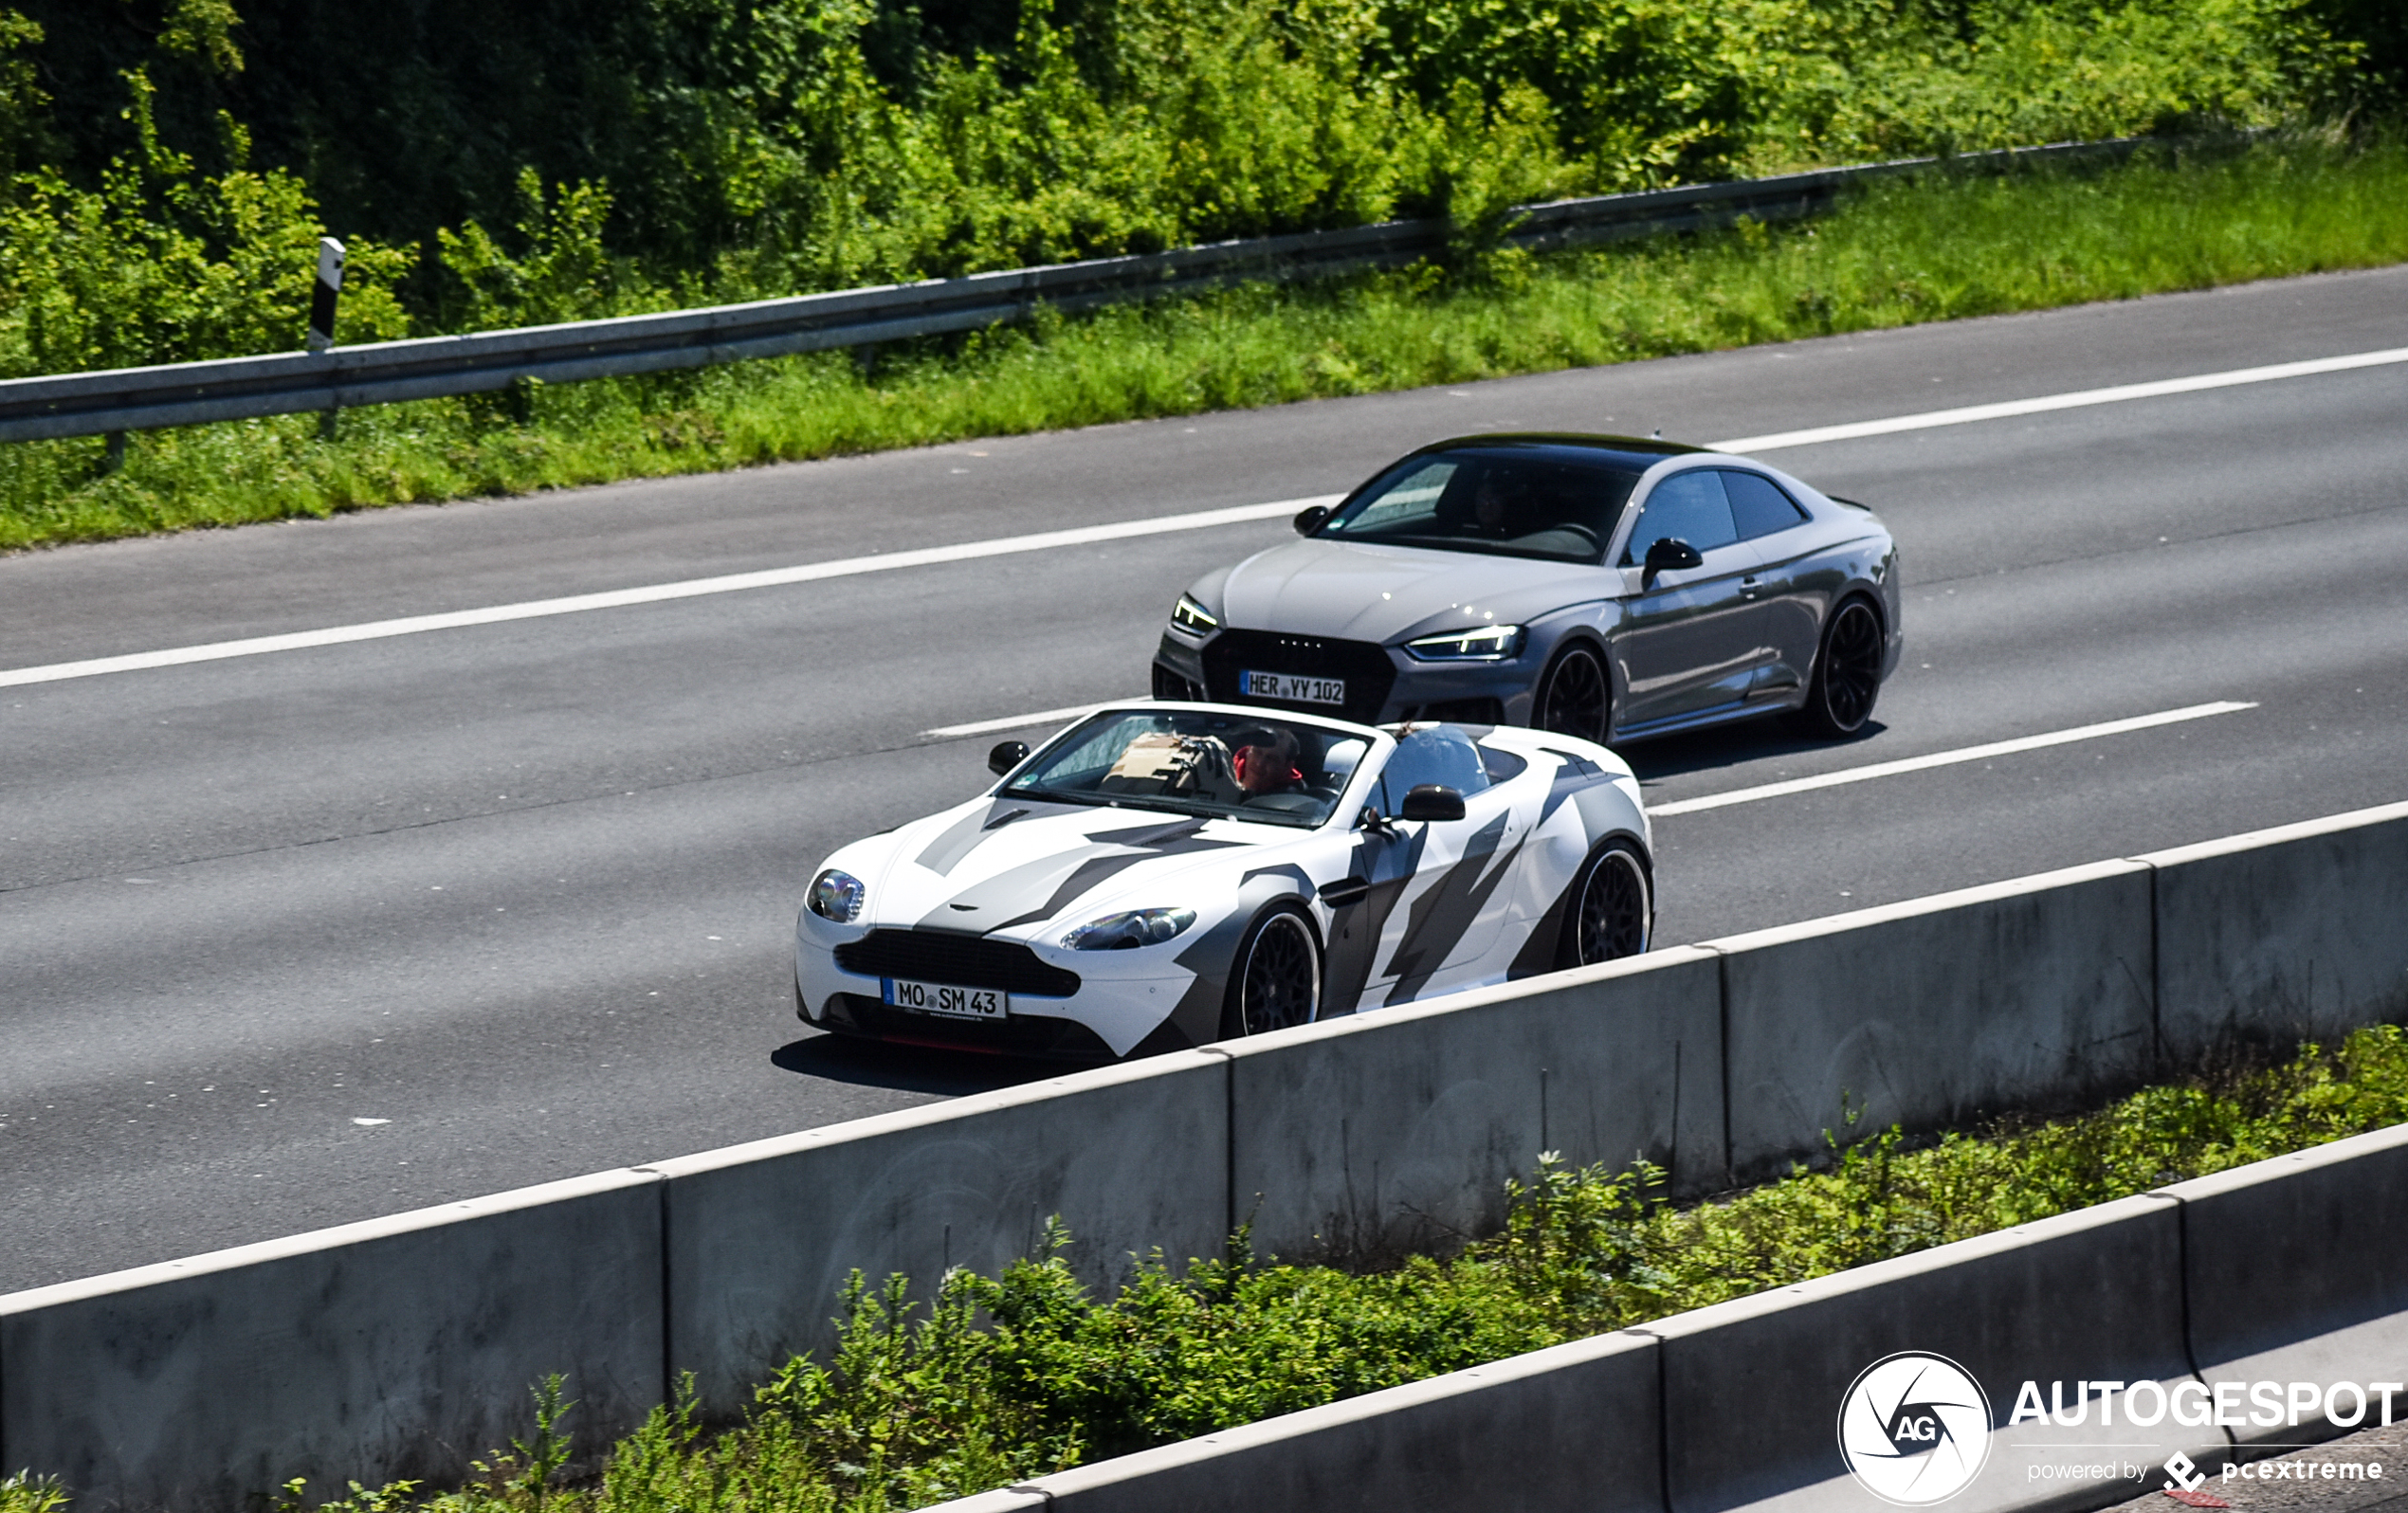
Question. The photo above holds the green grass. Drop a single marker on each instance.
(1018, 1375)
(1941, 248)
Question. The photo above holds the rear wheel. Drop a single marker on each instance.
(1274, 981)
(1847, 674)
(1574, 696)
(1612, 906)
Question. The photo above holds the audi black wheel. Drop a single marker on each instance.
(1612, 906)
(1275, 982)
(1574, 695)
(1847, 675)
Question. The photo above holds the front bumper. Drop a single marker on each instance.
(1120, 998)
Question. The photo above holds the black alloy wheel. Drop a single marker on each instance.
(1574, 696)
(1614, 910)
(1276, 983)
(1847, 674)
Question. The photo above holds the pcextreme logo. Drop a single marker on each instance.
(1914, 1428)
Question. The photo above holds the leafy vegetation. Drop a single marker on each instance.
(1942, 247)
(1017, 1375)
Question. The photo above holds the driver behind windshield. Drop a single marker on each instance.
(1266, 763)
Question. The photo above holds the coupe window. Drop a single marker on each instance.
(1560, 503)
(1689, 507)
(1233, 766)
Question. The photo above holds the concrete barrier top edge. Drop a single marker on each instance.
(1912, 909)
(284, 1247)
(2275, 1168)
(1938, 1258)
(1003, 1500)
(1438, 1008)
(942, 1111)
(2276, 835)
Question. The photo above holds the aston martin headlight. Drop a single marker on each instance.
(1190, 615)
(1126, 932)
(837, 896)
(1492, 642)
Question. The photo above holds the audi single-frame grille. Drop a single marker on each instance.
(960, 960)
(1368, 672)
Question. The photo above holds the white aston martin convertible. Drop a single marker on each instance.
(1159, 875)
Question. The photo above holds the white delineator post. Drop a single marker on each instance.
(330, 288)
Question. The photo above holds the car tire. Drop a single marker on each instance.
(1274, 977)
(1575, 696)
(1847, 679)
(1610, 910)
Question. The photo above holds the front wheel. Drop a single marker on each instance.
(1274, 981)
(1612, 911)
(1574, 695)
(1847, 674)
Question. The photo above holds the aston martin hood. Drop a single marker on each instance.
(1363, 591)
(1001, 864)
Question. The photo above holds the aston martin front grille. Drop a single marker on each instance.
(961, 960)
(1368, 672)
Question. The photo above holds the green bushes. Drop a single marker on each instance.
(1014, 1376)
(1936, 248)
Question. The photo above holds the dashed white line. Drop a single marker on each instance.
(2075, 400)
(1043, 716)
(1942, 759)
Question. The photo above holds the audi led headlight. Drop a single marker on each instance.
(837, 896)
(1190, 615)
(1126, 932)
(1493, 642)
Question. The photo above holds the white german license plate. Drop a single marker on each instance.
(940, 998)
(1292, 688)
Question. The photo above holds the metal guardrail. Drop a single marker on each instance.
(126, 399)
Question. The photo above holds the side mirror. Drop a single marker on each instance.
(1007, 754)
(1668, 554)
(1309, 521)
(1434, 801)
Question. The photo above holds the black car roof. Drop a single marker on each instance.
(1641, 453)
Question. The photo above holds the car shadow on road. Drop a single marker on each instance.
(1730, 746)
(907, 1068)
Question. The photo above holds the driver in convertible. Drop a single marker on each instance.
(1265, 762)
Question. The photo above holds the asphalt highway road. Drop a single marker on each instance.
(520, 894)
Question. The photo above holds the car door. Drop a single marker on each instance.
(1776, 526)
(1690, 643)
(1450, 906)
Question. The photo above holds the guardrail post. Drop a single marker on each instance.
(117, 453)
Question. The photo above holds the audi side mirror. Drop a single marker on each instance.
(1309, 521)
(1434, 801)
(1007, 754)
(1670, 555)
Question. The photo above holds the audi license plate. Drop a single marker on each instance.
(940, 998)
(1292, 688)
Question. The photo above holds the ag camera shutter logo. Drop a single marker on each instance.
(1914, 1428)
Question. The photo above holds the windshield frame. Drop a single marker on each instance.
(1629, 468)
(1020, 783)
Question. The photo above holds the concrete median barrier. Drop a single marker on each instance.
(1369, 1134)
(1753, 1388)
(762, 1236)
(2289, 934)
(1570, 1430)
(2327, 1231)
(1934, 1011)
(396, 1348)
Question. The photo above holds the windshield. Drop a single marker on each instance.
(1240, 766)
(1557, 502)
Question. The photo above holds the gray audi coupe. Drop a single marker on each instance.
(1601, 587)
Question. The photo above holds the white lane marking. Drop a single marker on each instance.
(1942, 759)
(1043, 716)
(2075, 400)
(925, 557)
(659, 592)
